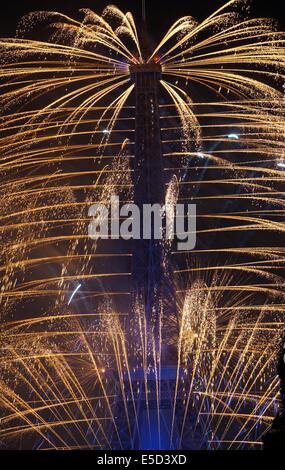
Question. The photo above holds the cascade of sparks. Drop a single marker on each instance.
(67, 141)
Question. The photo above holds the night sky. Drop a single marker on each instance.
(55, 265)
(161, 13)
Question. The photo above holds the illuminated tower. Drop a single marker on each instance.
(158, 418)
(152, 278)
(151, 274)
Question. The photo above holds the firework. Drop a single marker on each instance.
(68, 364)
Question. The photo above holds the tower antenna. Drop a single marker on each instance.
(143, 11)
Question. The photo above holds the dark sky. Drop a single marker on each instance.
(161, 13)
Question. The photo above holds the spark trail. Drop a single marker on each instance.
(67, 141)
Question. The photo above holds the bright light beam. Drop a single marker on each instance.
(233, 136)
(74, 293)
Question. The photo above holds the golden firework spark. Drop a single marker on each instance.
(67, 141)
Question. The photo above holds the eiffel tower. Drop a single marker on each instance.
(158, 420)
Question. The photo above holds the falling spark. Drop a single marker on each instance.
(67, 127)
(74, 293)
(234, 136)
